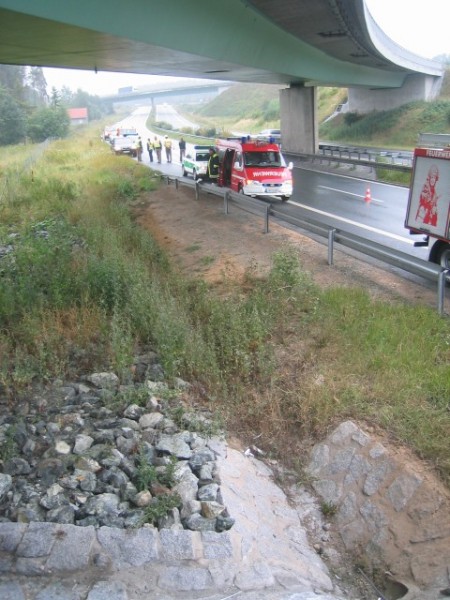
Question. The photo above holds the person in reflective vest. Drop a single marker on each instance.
(212, 171)
(157, 146)
(168, 147)
(150, 149)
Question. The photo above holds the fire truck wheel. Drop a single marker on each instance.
(440, 254)
(284, 198)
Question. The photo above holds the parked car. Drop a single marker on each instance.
(275, 134)
(195, 162)
(125, 145)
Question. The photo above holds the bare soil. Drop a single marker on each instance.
(206, 243)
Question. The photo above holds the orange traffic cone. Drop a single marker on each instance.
(368, 197)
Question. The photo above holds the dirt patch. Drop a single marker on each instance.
(206, 243)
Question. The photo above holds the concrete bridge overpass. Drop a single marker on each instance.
(176, 93)
(297, 43)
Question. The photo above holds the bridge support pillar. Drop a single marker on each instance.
(299, 130)
(415, 87)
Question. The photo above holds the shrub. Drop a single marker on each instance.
(351, 117)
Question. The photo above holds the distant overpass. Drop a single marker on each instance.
(172, 94)
(300, 44)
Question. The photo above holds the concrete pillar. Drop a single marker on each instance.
(415, 87)
(299, 129)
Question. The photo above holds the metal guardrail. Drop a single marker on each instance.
(396, 258)
(339, 157)
(434, 140)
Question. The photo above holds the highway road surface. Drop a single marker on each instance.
(335, 199)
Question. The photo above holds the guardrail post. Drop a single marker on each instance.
(176, 184)
(197, 190)
(226, 199)
(168, 180)
(442, 280)
(331, 233)
(266, 219)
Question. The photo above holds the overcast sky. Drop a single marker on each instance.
(420, 26)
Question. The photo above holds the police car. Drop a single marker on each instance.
(195, 162)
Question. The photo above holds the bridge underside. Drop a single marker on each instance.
(233, 42)
(297, 43)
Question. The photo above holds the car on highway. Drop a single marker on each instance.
(275, 134)
(125, 145)
(195, 162)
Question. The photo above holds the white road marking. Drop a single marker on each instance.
(373, 200)
(355, 223)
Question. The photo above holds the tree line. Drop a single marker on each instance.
(28, 112)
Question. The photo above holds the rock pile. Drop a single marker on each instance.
(98, 453)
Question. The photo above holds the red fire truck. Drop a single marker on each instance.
(428, 209)
(254, 167)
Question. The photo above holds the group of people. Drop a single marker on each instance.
(156, 146)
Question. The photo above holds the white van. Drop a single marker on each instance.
(195, 162)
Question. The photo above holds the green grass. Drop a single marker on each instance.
(85, 288)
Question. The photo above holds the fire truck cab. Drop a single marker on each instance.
(254, 167)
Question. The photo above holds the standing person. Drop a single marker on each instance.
(182, 145)
(150, 149)
(139, 149)
(168, 147)
(212, 171)
(157, 146)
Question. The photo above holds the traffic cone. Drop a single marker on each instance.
(368, 197)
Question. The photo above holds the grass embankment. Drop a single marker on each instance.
(83, 288)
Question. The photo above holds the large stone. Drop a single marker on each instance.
(174, 445)
(108, 590)
(320, 457)
(102, 505)
(82, 443)
(38, 540)
(107, 381)
(72, 548)
(179, 545)
(402, 490)
(343, 432)
(11, 591)
(11, 535)
(129, 547)
(376, 477)
(329, 490)
(5, 484)
(185, 579)
(151, 420)
(60, 591)
(17, 466)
